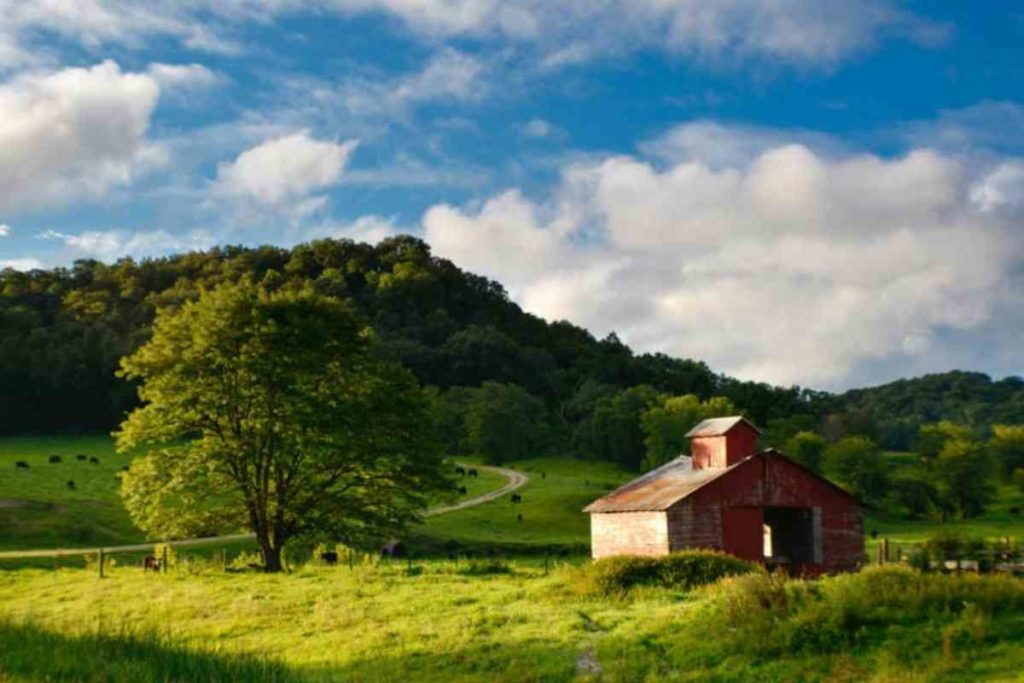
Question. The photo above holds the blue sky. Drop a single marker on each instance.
(817, 192)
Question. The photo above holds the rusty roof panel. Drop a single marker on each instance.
(717, 426)
(659, 489)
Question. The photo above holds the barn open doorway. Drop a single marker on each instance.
(791, 535)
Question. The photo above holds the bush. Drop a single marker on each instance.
(683, 571)
(769, 615)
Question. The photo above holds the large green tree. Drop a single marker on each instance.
(270, 410)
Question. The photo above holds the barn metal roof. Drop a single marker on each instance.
(716, 426)
(660, 488)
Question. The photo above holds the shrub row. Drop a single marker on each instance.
(615, 576)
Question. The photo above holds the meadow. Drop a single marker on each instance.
(37, 510)
(469, 621)
(523, 610)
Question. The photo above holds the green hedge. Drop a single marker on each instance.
(683, 571)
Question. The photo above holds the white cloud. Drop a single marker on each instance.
(813, 33)
(370, 229)
(107, 245)
(182, 76)
(21, 264)
(5, 230)
(1002, 189)
(284, 170)
(77, 132)
(448, 75)
(786, 264)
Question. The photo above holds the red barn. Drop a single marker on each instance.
(727, 496)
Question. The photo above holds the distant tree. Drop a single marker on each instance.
(1018, 478)
(780, 430)
(665, 424)
(807, 449)
(932, 438)
(613, 431)
(963, 474)
(917, 496)
(270, 410)
(858, 465)
(1007, 443)
(504, 422)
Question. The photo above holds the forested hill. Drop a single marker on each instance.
(63, 331)
(892, 413)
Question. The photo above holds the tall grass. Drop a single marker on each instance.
(32, 653)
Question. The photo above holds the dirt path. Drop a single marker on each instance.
(515, 481)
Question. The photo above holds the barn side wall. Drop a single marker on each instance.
(628, 533)
(772, 481)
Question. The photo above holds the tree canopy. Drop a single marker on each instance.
(271, 409)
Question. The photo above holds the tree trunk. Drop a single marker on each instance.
(272, 559)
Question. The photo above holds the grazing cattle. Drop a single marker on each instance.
(462, 490)
(330, 558)
(519, 517)
(71, 484)
(125, 468)
(516, 499)
(472, 473)
(54, 459)
(459, 470)
(21, 465)
(94, 460)
(81, 457)
(150, 562)
(393, 549)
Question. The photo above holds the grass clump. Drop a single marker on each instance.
(616, 576)
(770, 615)
(34, 653)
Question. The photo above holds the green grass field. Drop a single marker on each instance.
(37, 510)
(445, 621)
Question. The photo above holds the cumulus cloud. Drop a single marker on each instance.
(284, 170)
(806, 32)
(107, 245)
(21, 264)
(5, 230)
(72, 133)
(781, 262)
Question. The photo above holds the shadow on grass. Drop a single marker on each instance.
(33, 653)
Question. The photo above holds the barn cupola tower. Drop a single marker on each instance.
(721, 442)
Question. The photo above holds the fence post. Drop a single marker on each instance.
(163, 559)
(885, 550)
(224, 559)
(102, 558)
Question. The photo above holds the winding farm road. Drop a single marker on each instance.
(515, 480)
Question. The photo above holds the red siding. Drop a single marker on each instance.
(742, 534)
(770, 481)
(726, 449)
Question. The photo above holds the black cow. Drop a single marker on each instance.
(516, 499)
(460, 470)
(81, 457)
(462, 490)
(472, 473)
(150, 562)
(330, 558)
(519, 517)
(393, 549)
(21, 465)
(54, 459)
(94, 460)
(71, 484)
